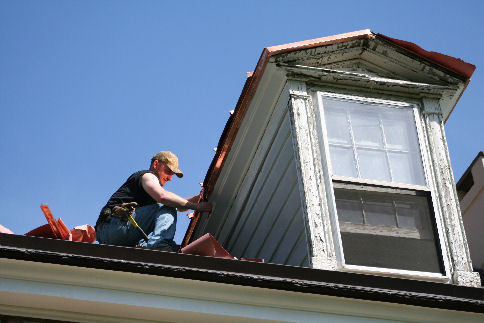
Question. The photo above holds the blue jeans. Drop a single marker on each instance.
(158, 221)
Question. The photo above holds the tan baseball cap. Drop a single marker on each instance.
(169, 159)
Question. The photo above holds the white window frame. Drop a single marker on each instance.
(429, 187)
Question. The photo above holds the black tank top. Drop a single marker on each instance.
(130, 191)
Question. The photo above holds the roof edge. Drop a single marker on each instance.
(451, 63)
(328, 40)
(243, 273)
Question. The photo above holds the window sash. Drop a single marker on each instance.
(344, 181)
(397, 203)
(381, 145)
(390, 227)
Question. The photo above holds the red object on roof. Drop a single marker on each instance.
(207, 245)
(54, 225)
(234, 122)
(83, 233)
(56, 229)
(44, 231)
(64, 232)
(5, 230)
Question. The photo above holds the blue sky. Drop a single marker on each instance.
(90, 90)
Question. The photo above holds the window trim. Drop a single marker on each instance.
(373, 183)
(330, 181)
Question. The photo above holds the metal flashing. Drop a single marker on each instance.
(454, 64)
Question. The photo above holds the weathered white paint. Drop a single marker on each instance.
(92, 295)
(308, 157)
(423, 135)
(455, 239)
(384, 61)
(365, 76)
(433, 86)
(438, 172)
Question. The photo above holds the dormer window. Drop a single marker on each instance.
(335, 158)
(381, 200)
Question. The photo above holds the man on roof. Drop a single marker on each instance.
(156, 208)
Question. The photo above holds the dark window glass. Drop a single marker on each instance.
(387, 230)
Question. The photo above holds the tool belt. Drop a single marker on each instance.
(119, 211)
(124, 210)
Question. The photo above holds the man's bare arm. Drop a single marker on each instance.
(194, 199)
(159, 194)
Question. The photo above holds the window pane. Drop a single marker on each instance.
(414, 213)
(366, 129)
(343, 161)
(406, 168)
(373, 165)
(379, 210)
(349, 206)
(408, 243)
(399, 127)
(337, 127)
(407, 215)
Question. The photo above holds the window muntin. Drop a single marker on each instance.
(374, 142)
(382, 201)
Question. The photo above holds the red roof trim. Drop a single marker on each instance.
(323, 41)
(224, 144)
(252, 82)
(455, 64)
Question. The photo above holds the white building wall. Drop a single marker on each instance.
(472, 206)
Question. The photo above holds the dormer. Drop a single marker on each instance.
(335, 158)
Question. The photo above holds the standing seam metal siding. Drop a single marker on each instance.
(270, 223)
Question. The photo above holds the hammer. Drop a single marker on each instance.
(133, 222)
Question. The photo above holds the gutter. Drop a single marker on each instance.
(243, 273)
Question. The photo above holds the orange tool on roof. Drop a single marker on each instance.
(56, 229)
